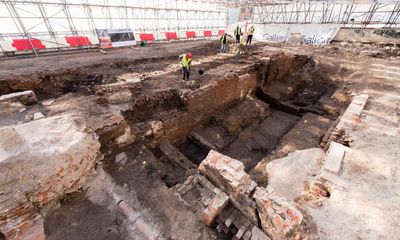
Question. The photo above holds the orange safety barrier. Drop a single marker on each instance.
(23, 44)
(191, 34)
(207, 33)
(147, 37)
(171, 35)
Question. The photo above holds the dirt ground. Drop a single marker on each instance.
(299, 116)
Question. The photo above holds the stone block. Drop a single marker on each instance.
(229, 175)
(239, 233)
(279, 218)
(28, 117)
(133, 81)
(26, 97)
(38, 115)
(125, 139)
(257, 234)
(121, 158)
(334, 158)
(247, 235)
(215, 207)
(200, 140)
(48, 102)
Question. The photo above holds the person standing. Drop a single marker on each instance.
(223, 43)
(237, 33)
(186, 60)
(250, 33)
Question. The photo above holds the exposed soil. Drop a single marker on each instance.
(78, 218)
(286, 98)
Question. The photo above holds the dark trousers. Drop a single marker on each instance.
(249, 38)
(185, 73)
(237, 39)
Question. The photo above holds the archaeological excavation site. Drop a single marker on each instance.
(286, 137)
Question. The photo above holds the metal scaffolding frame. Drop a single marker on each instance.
(353, 13)
(174, 15)
(140, 15)
(54, 19)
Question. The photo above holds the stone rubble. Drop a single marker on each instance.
(38, 115)
(228, 174)
(26, 97)
(279, 217)
(215, 207)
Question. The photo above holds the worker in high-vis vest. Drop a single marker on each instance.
(237, 33)
(186, 60)
(223, 40)
(250, 33)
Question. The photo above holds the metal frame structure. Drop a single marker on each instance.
(357, 13)
(348, 13)
(55, 18)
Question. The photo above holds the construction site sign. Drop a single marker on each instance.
(115, 37)
(313, 34)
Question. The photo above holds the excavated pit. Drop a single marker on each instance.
(253, 111)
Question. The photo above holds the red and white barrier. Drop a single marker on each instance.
(7, 46)
(207, 33)
(78, 41)
(171, 36)
(23, 44)
(147, 37)
(191, 34)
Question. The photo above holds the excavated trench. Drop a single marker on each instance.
(282, 113)
(277, 111)
(256, 113)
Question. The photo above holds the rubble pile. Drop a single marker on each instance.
(278, 217)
